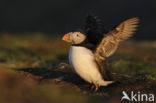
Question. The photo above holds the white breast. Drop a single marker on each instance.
(82, 61)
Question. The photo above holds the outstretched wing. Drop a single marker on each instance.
(110, 41)
(93, 29)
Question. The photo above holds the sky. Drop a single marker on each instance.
(61, 16)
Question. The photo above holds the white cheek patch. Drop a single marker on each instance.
(78, 39)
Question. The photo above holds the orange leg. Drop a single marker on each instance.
(92, 88)
(96, 89)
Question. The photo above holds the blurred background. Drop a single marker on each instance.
(33, 56)
(61, 16)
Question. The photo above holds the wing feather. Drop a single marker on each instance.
(110, 41)
(93, 29)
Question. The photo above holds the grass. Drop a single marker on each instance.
(37, 50)
(42, 49)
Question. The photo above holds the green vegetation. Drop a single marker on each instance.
(37, 50)
(31, 49)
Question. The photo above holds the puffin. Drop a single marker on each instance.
(90, 48)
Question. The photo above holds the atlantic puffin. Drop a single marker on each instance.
(90, 48)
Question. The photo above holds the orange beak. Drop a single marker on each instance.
(67, 37)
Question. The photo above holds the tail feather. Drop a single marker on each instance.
(105, 83)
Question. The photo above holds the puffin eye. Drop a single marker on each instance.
(77, 35)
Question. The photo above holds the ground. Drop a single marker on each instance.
(34, 69)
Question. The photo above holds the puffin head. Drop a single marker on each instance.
(74, 37)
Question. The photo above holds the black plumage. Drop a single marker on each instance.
(93, 28)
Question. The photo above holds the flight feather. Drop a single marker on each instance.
(110, 41)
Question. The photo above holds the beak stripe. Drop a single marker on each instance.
(66, 38)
